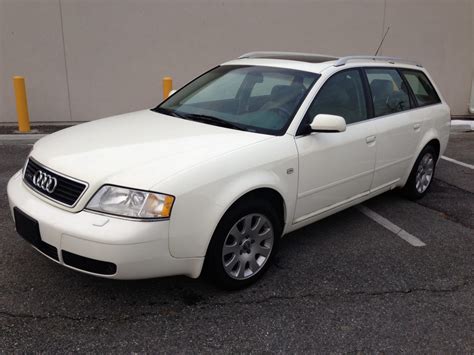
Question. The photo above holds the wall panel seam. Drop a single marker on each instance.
(65, 61)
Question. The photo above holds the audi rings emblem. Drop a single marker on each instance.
(45, 181)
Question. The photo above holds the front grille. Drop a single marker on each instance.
(88, 264)
(67, 190)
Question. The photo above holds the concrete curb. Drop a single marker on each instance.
(462, 125)
(20, 138)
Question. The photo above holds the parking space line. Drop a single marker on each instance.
(391, 227)
(466, 165)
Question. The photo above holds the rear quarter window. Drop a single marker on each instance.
(424, 92)
(388, 90)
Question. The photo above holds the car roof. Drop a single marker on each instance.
(299, 57)
(314, 62)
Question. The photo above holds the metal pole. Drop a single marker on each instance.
(21, 104)
(167, 86)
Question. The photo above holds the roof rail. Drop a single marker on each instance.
(304, 57)
(392, 60)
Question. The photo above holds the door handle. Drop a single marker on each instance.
(370, 139)
(416, 126)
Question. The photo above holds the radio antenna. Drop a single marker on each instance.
(381, 42)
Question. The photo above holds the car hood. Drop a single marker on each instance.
(137, 149)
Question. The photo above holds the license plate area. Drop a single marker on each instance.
(28, 228)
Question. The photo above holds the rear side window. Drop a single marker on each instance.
(341, 95)
(425, 94)
(388, 90)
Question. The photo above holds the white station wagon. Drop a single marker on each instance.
(209, 180)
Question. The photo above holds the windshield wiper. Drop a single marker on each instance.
(212, 120)
(200, 118)
(168, 112)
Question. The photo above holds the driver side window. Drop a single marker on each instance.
(341, 95)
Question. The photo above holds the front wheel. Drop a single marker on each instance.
(243, 244)
(422, 174)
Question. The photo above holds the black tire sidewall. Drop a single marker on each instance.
(213, 267)
(410, 187)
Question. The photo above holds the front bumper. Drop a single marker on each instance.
(138, 249)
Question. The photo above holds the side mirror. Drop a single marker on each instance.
(328, 123)
(172, 92)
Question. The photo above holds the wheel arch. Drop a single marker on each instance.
(430, 138)
(267, 194)
(213, 260)
(191, 239)
(436, 144)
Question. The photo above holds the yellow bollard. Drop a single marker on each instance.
(167, 86)
(21, 104)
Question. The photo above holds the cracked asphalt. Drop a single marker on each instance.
(342, 285)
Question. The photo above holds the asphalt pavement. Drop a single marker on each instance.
(346, 284)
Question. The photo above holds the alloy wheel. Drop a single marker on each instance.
(424, 173)
(247, 246)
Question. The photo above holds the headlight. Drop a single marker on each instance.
(131, 203)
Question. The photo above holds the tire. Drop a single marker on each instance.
(249, 232)
(422, 174)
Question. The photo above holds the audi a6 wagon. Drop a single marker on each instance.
(210, 180)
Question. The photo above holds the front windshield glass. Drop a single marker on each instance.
(253, 98)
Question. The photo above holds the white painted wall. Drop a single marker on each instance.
(87, 59)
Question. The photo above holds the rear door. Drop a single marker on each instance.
(398, 127)
(335, 168)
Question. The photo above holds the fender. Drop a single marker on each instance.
(258, 180)
(431, 134)
(438, 128)
(205, 193)
(191, 238)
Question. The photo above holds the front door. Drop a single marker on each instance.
(335, 168)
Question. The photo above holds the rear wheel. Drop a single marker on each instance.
(243, 244)
(422, 173)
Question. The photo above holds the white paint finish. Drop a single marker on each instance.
(281, 63)
(138, 249)
(397, 139)
(207, 168)
(334, 167)
(136, 150)
(331, 123)
(466, 165)
(205, 192)
(403, 234)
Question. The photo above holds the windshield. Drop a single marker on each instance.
(253, 98)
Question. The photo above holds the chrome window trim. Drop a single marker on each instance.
(395, 113)
(378, 117)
